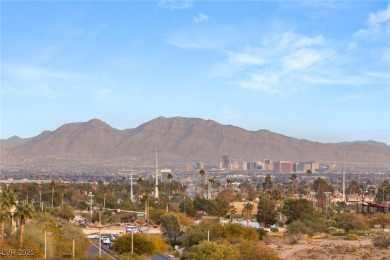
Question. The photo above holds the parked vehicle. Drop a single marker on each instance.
(93, 236)
(106, 240)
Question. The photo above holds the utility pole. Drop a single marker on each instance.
(91, 195)
(156, 187)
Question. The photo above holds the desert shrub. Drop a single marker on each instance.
(352, 237)
(267, 239)
(253, 250)
(333, 230)
(298, 227)
(352, 249)
(261, 232)
(293, 239)
(381, 241)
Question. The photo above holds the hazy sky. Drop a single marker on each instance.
(318, 70)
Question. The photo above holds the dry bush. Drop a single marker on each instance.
(382, 241)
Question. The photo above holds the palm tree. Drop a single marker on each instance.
(293, 179)
(232, 211)
(7, 202)
(62, 190)
(140, 181)
(308, 172)
(267, 180)
(52, 185)
(247, 211)
(24, 212)
(202, 173)
(169, 176)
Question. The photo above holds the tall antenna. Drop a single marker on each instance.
(156, 187)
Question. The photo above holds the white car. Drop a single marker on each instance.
(106, 241)
(93, 236)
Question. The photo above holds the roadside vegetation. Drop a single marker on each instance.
(220, 227)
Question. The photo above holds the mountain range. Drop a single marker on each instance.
(180, 140)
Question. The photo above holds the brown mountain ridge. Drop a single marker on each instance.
(181, 139)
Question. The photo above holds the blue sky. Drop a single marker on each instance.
(316, 70)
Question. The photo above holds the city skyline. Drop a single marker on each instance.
(317, 70)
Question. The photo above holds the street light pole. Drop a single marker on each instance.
(91, 195)
(73, 251)
(100, 234)
(132, 241)
(45, 245)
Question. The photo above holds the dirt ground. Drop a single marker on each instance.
(335, 248)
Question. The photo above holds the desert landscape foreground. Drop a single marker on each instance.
(335, 248)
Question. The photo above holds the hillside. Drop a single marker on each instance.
(181, 139)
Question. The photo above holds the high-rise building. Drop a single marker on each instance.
(199, 165)
(225, 161)
(283, 167)
(244, 166)
(304, 166)
(267, 165)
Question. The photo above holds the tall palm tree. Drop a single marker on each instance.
(202, 173)
(140, 182)
(267, 180)
(247, 211)
(7, 202)
(62, 190)
(308, 172)
(25, 211)
(293, 179)
(169, 176)
(52, 185)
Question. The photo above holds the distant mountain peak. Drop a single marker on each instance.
(98, 123)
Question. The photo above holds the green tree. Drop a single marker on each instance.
(170, 225)
(65, 212)
(320, 186)
(352, 221)
(247, 211)
(303, 211)
(212, 250)
(266, 211)
(187, 207)
(141, 244)
(381, 219)
(268, 181)
(24, 212)
(228, 194)
(229, 182)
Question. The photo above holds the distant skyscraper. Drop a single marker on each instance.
(283, 167)
(199, 165)
(226, 161)
(267, 165)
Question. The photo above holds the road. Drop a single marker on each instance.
(94, 250)
(160, 256)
